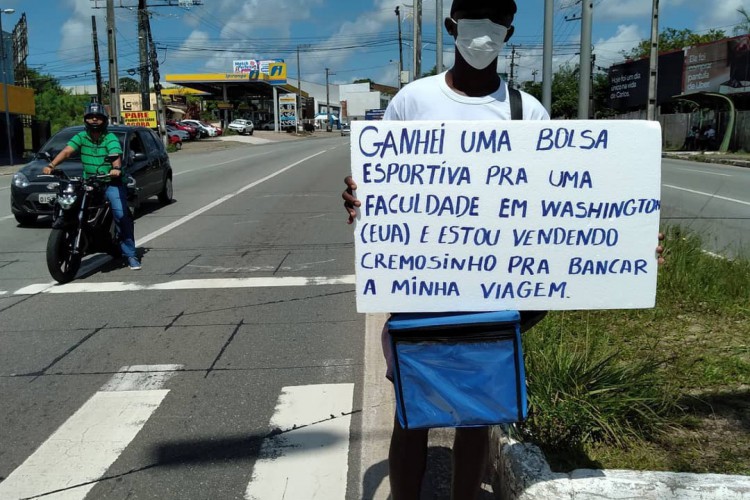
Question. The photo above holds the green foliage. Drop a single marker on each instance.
(565, 92)
(606, 385)
(55, 104)
(672, 39)
(581, 391)
(717, 284)
(744, 24)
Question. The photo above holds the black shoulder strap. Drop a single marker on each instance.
(516, 104)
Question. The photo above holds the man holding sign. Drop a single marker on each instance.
(470, 91)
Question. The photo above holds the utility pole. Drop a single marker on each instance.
(512, 81)
(143, 51)
(547, 55)
(97, 65)
(400, 47)
(114, 78)
(328, 103)
(157, 86)
(299, 87)
(653, 76)
(584, 67)
(439, 28)
(417, 39)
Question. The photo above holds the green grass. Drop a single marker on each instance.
(660, 389)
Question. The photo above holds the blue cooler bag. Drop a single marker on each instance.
(458, 369)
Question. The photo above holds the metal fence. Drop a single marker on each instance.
(675, 127)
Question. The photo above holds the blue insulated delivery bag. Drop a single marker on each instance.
(458, 369)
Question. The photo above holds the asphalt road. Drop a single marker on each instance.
(711, 199)
(237, 351)
(219, 372)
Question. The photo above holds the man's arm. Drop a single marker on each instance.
(61, 157)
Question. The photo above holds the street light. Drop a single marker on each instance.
(5, 83)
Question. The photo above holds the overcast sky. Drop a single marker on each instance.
(353, 38)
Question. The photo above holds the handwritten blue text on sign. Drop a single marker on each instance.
(476, 216)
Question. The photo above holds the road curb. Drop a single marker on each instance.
(707, 159)
(520, 472)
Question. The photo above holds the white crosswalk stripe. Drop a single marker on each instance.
(308, 457)
(188, 284)
(88, 443)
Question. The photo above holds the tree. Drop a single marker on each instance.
(672, 39)
(129, 85)
(744, 24)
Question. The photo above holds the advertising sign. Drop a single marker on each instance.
(487, 216)
(271, 70)
(722, 66)
(629, 81)
(374, 114)
(287, 110)
(139, 118)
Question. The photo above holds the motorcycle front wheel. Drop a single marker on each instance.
(61, 262)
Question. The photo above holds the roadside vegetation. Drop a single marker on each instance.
(659, 389)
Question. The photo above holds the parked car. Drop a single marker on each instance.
(267, 125)
(205, 129)
(192, 131)
(144, 160)
(184, 136)
(242, 126)
(175, 140)
(345, 129)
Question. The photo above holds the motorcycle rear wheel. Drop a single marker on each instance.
(61, 262)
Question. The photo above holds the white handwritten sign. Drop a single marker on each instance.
(527, 215)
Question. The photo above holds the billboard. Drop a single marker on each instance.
(272, 71)
(722, 66)
(628, 82)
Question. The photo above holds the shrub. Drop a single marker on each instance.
(580, 392)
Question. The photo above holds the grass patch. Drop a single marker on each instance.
(660, 389)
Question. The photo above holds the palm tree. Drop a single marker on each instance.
(744, 25)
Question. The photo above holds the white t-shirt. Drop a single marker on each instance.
(431, 98)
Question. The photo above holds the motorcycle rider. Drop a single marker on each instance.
(95, 144)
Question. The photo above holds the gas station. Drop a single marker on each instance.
(251, 92)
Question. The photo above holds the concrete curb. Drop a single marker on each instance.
(520, 472)
(702, 158)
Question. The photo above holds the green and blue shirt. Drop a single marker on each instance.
(93, 154)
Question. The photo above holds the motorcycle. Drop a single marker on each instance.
(82, 225)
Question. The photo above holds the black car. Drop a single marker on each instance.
(144, 160)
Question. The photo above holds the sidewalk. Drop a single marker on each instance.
(735, 159)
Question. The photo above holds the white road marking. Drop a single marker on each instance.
(7, 217)
(175, 174)
(87, 444)
(190, 284)
(702, 172)
(221, 200)
(710, 195)
(309, 458)
(3, 292)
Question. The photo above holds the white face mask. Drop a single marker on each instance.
(480, 41)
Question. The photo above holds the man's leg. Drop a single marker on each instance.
(117, 197)
(470, 453)
(407, 459)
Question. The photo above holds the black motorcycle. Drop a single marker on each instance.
(82, 225)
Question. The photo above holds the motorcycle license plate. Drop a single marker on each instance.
(47, 198)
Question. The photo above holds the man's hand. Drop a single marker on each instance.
(350, 201)
(660, 250)
(115, 172)
(47, 170)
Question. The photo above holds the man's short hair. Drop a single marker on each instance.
(507, 6)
